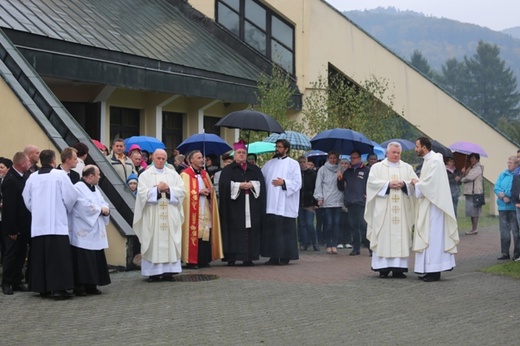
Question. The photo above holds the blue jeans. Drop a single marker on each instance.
(306, 230)
(319, 225)
(356, 220)
(508, 224)
(331, 217)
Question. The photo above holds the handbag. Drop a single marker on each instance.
(478, 198)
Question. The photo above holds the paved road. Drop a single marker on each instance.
(320, 299)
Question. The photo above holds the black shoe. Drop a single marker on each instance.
(284, 261)
(431, 277)
(7, 289)
(154, 278)
(272, 262)
(503, 257)
(383, 274)
(94, 291)
(45, 294)
(191, 266)
(61, 295)
(398, 275)
(80, 293)
(248, 264)
(354, 253)
(316, 248)
(20, 288)
(421, 277)
(204, 265)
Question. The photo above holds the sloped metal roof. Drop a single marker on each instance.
(152, 29)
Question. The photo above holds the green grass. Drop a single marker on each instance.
(511, 269)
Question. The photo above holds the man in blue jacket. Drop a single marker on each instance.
(507, 212)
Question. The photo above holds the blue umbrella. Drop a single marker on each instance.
(145, 143)
(342, 141)
(405, 144)
(298, 140)
(207, 143)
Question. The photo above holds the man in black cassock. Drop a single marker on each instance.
(242, 208)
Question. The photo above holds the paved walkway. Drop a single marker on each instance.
(320, 299)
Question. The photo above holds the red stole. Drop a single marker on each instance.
(194, 209)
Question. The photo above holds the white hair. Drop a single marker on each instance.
(394, 144)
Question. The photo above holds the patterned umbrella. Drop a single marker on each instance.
(298, 140)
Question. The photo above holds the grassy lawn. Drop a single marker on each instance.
(508, 268)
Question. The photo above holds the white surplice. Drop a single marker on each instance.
(56, 187)
(87, 224)
(283, 202)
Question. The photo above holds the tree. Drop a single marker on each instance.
(493, 92)
(366, 108)
(483, 83)
(274, 98)
(421, 64)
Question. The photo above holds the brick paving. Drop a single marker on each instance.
(320, 299)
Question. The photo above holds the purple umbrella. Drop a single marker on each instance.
(468, 148)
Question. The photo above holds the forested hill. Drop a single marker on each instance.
(438, 39)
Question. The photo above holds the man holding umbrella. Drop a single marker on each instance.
(283, 181)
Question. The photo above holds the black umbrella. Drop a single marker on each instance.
(439, 148)
(248, 119)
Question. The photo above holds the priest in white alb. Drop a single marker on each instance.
(436, 234)
(88, 234)
(158, 217)
(389, 213)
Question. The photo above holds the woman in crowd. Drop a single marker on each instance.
(473, 180)
(330, 199)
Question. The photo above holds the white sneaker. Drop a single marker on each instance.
(517, 260)
(348, 246)
(340, 246)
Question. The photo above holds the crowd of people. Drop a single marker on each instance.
(189, 212)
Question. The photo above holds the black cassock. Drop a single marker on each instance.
(241, 243)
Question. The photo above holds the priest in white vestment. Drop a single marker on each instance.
(436, 233)
(158, 217)
(88, 234)
(389, 213)
(49, 195)
(283, 182)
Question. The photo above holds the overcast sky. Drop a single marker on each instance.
(494, 14)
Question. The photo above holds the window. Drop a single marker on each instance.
(259, 27)
(209, 125)
(172, 130)
(124, 122)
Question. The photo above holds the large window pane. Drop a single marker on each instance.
(282, 32)
(229, 19)
(255, 38)
(256, 14)
(234, 4)
(282, 56)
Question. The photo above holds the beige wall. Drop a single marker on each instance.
(20, 129)
(323, 35)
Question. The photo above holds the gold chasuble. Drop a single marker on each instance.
(201, 217)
